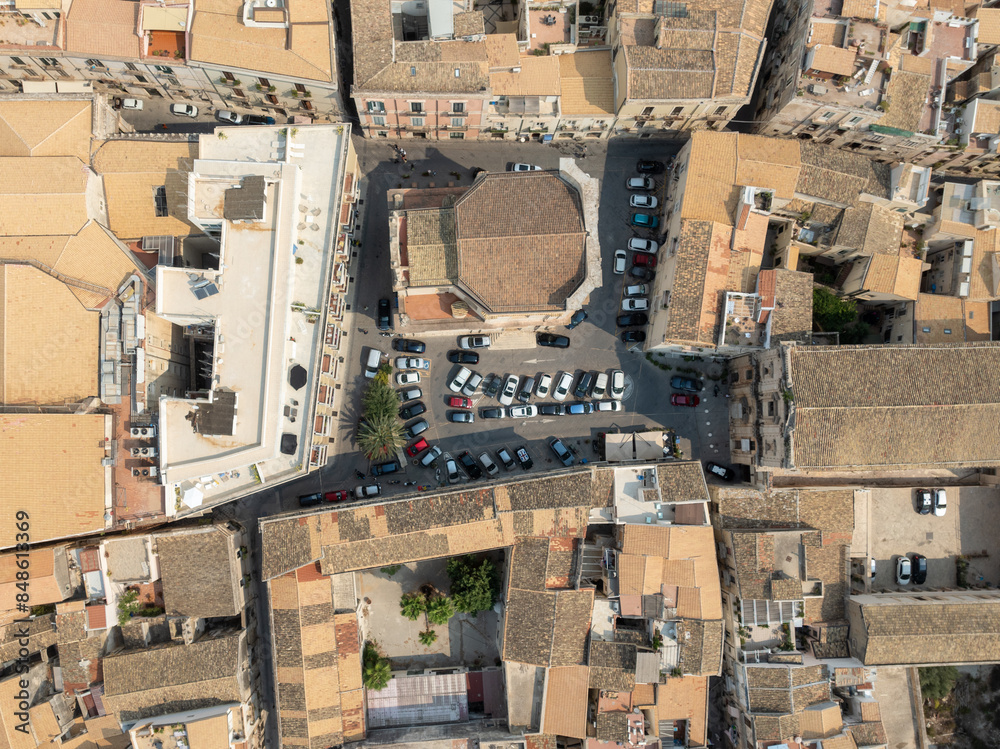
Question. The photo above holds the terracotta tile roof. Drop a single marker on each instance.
(700, 646)
(989, 25)
(682, 481)
(612, 665)
(829, 59)
(431, 247)
(820, 721)
(42, 196)
(865, 9)
(103, 28)
(828, 30)
(875, 417)
(967, 320)
(586, 82)
(547, 629)
(899, 276)
(839, 176)
(566, 702)
(791, 320)
(469, 23)
(521, 241)
(187, 591)
(45, 128)
(529, 563)
(501, 50)
(538, 76)
(907, 97)
(987, 117)
(871, 229)
(685, 698)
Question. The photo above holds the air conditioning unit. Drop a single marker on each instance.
(590, 20)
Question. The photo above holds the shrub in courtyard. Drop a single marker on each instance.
(473, 583)
(412, 605)
(376, 671)
(440, 610)
(936, 683)
(428, 637)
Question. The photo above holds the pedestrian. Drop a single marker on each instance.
(433, 173)
(366, 308)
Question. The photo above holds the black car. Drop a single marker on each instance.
(919, 569)
(583, 386)
(390, 466)
(504, 455)
(726, 474)
(556, 341)
(492, 386)
(491, 413)
(414, 409)
(417, 427)
(470, 465)
(461, 417)
(523, 458)
(550, 409)
(463, 357)
(578, 317)
(409, 346)
(308, 500)
(384, 320)
(633, 336)
(925, 503)
(642, 273)
(645, 166)
(257, 119)
(630, 320)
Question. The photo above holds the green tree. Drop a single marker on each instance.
(473, 583)
(428, 637)
(383, 374)
(376, 670)
(381, 436)
(440, 610)
(937, 682)
(379, 400)
(830, 312)
(412, 605)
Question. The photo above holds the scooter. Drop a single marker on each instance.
(359, 474)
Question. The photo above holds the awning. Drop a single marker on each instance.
(193, 497)
(289, 444)
(297, 377)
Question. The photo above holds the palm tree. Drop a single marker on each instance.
(379, 400)
(380, 436)
(428, 637)
(377, 674)
(440, 610)
(412, 606)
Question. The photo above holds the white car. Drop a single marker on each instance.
(904, 571)
(642, 245)
(509, 389)
(451, 468)
(132, 104)
(525, 168)
(621, 260)
(489, 464)
(637, 289)
(523, 412)
(563, 386)
(617, 384)
(459, 380)
(635, 304)
(600, 386)
(542, 388)
(184, 110)
(642, 201)
(940, 502)
(407, 378)
(607, 405)
(412, 362)
(224, 115)
(474, 341)
(639, 183)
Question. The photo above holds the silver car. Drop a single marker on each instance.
(489, 465)
(459, 380)
(451, 468)
(470, 387)
(509, 389)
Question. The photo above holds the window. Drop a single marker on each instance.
(140, 78)
(95, 63)
(160, 200)
(720, 110)
(458, 107)
(457, 122)
(49, 62)
(971, 314)
(227, 76)
(458, 73)
(264, 82)
(748, 375)
(417, 106)
(417, 122)
(770, 408)
(855, 120)
(646, 112)
(947, 331)
(676, 111)
(378, 120)
(899, 338)
(300, 87)
(17, 60)
(828, 115)
(164, 69)
(376, 106)
(383, 134)
(456, 136)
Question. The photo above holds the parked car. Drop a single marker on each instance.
(645, 259)
(509, 389)
(925, 501)
(451, 470)
(184, 110)
(373, 362)
(637, 244)
(417, 447)
(600, 385)
(639, 183)
(339, 495)
(617, 384)
(940, 503)
(607, 405)
(383, 320)
(433, 454)
(642, 273)
(492, 386)
(524, 393)
(407, 378)
(691, 401)
(523, 458)
(503, 454)
(561, 452)
(578, 317)
(409, 394)
(637, 289)
(409, 346)
(492, 413)
(645, 220)
(579, 408)
(646, 166)
(469, 388)
(583, 385)
(463, 357)
(563, 386)
(488, 464)
(474, 341)
(621, 262)
(414, 409)
(381, 469)
(309, 500)
(919, 563)
(633, 336)
(523, 168)
(726, 474)
(461, 417)
(550, 409)
(633, 319)
(412, 362)
(904, 570)
(470, 465)
(543, 386)
(686, 383)
(633, 304)
(131, 104)
(371, 490)
(555, 341)
(522, 412)
(225, 115)
(457, 401)
(642, 201)
(257, 119)
(459, 380)
(417, 427)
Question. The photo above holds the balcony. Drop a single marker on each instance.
(28, 33)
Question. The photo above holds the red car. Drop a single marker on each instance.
(458, 402)
(684, 400)
(417, 447)
(338, 496)
(644, 258)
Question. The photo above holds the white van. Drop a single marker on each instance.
(372, 363)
